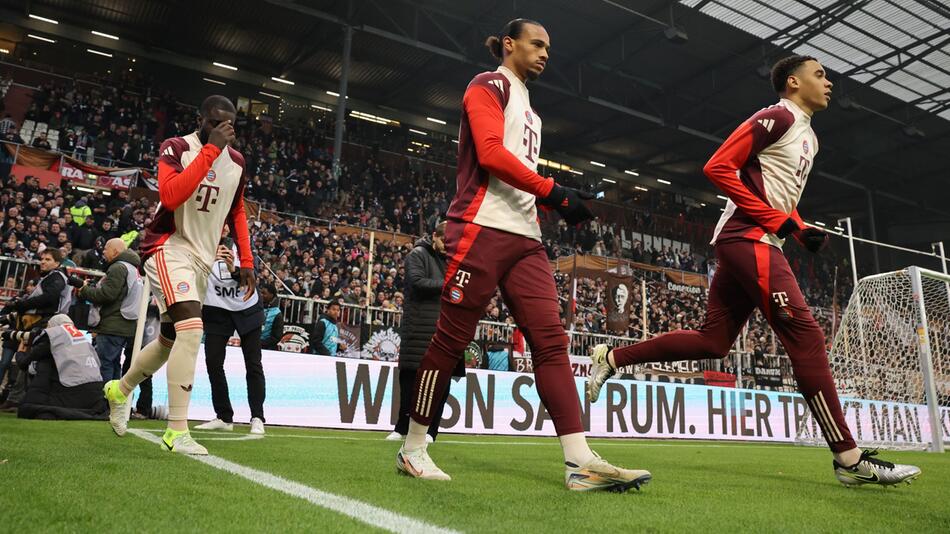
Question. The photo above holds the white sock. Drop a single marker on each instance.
(416, 438)
(575, 448)
(848, 458)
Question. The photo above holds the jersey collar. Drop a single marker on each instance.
(797, 111)
(512, 77)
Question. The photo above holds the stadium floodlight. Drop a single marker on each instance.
(41, 38)
(839, 229)
(321, 108)
(4, 51)
(106, 35)
(819, 223)
(597, 164)
(272, 95)
(640, 188)
(664, 182)
(437, 121)
(281, 80)
(44, 19)
(702, 204)
(609, 181)
(456, 141)
(632, 173)
(420, 132)
(575, 171)
(224, 66)
(722, 197)
(210, 80)
(98, 52)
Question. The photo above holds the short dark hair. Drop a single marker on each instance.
(214, 102)
(513, 29)
(54, 253)
(333, 303)
(784, 68)
(268, 286)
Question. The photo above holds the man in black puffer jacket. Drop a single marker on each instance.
(425, 274)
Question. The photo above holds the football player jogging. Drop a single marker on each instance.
(200, 187)
(493, 241)
(763, 167)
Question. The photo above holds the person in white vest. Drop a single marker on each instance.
(66, 381)
(226, 311)
(115, 302)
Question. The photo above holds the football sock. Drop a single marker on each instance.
(150, 359)
(181, 370)
(416, 438)
(849, 457)
(576, 450)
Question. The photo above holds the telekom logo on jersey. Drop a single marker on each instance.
(207, 196)
(531, 138)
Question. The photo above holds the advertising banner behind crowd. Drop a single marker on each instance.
(325, 392)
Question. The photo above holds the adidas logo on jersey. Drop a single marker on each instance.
(767, 124)
(168, 152)
(498, 84)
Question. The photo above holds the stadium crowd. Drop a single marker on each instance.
(386, 182)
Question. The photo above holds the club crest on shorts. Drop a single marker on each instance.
(212, 176)
(183, 287)
(456, 295)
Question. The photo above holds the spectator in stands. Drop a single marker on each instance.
(425, 273)
(79, 212)
(273, 329)
(40, 141)
(325, 335)
(115, 304)
(7, 124)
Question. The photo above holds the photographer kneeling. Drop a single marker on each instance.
(66, 382)
(52, 295)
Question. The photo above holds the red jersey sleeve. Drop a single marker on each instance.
(177, 184)
(482, 104)
(750, 138)
(237, 218)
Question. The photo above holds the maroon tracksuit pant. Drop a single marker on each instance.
(756, 275)
(480, 260)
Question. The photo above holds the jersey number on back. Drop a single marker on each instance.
(207, 196)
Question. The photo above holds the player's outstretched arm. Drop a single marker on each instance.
(723, 170)
(175, 183)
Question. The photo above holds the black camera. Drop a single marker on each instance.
(76, 281)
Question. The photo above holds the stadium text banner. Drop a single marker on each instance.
(324, 392)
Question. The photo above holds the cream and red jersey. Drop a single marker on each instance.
(200, 188)
(763, 167)
(499, 143)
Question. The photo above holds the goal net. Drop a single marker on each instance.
(891, 362)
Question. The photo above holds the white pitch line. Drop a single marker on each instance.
(360, 511)
(615, 442)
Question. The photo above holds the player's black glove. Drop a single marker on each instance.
(788, 228)
(569, 204)
(813, 239)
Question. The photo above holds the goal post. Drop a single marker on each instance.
(891, 362)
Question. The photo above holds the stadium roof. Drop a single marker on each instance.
(900, 47)
(623, 86)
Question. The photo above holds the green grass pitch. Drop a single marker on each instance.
(80, 477)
